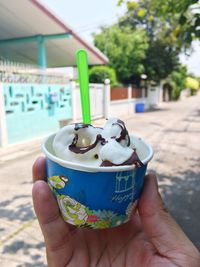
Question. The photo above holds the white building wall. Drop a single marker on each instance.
(97, 99)
(154, 96)
(122, 107)
(126, 107)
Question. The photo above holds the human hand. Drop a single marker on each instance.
(151, 239)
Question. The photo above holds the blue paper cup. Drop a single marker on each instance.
(96, 197)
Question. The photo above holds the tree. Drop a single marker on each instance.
(181, 19)
(160, 60)
(177, 80)
(125, 49)
(162, 55)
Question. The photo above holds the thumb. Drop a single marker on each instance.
(160, 227)
(55, 231)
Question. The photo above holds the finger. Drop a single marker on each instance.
(39, 169)
(160, 227)
(56, 232)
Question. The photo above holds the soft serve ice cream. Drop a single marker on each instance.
(95, 146)
(93, 173)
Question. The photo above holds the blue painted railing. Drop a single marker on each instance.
(34, 110)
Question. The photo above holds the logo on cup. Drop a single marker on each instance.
(124, 186)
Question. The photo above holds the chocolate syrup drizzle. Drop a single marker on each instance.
(83, 150)
(134, 159)
(124, 133)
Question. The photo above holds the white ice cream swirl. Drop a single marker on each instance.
(94, 146)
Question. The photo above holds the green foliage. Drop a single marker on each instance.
(149, 38)
(143, 14)
(198, 79)
(161, 59)
(177, 20)
(125, 49)
(98, 74)
(192, 83)
(178, 81)
(160, 21)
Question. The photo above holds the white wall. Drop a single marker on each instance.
(123, 107)
(101, 106)
(97, 98)
(154, 96)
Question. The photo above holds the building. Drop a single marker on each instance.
(32, 39)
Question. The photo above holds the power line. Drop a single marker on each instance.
(95, 25)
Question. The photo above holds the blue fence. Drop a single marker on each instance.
(33, 110)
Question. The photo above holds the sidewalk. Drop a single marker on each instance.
(173, 130)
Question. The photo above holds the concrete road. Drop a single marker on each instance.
(174, 132)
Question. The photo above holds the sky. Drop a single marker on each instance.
(86, 17)
(193, 61)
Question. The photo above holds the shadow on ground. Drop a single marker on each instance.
(12, 210)
(154, 109)
(181, 195)
(26, 248)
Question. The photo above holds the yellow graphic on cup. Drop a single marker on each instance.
(72, 211)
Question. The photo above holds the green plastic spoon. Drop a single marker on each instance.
(82, 63)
